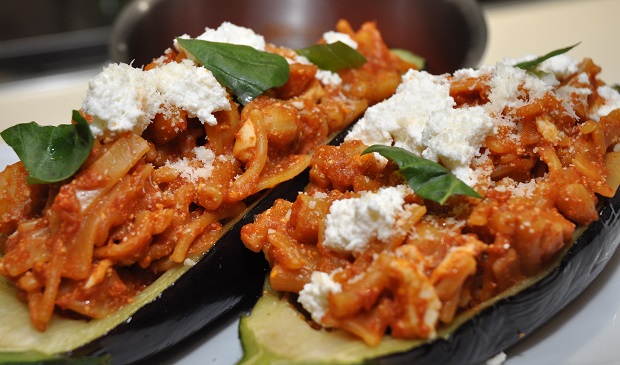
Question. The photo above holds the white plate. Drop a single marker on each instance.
(585, 333)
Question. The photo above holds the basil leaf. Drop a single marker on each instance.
(428, 179)
(333, 56)
(51, 153)
(529, 65)
(410, 57)
(246, 71)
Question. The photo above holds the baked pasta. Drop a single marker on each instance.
(175, 156)
(362, 251)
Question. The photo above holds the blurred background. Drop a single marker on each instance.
(43, 36)
(39, 37)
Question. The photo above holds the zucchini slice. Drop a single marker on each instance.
(276, 333)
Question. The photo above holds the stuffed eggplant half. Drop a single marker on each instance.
(456, 217)
(117, 230)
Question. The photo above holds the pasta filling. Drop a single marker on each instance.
(539, 148)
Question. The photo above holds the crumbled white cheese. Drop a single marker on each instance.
(160, 61)
(401, 119)
(190, 170)
(234, 34)
(583, 78)
(328, 77)
(193, 89)
(299, 105)
(352, 223)
(457, 150)
(123, 98)
(612, 102)
(314, 296)
(333, 37)
(525, 189)
(421, 117)
(226, 33)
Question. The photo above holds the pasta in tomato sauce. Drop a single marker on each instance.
(360, 251)
(156, 194)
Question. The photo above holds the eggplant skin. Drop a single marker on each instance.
(507, 321)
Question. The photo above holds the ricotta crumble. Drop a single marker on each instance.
(123, 98)
(352, 223)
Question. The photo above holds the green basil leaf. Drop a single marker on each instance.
(51, 153)
(246, 71)
(410, 57)
(428, 179)
(333, 56)
(529, 65)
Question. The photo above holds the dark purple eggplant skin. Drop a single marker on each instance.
(509, 320)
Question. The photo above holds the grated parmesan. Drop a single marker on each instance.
(200, 167)
(513, 87)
